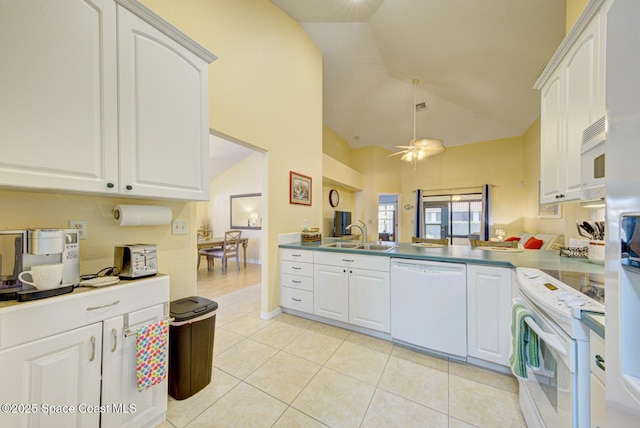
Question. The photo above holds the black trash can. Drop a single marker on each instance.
(191, 337)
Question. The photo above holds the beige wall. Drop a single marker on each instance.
(380, 174)
(497, 162)
(176, 253)
(347, 203)
(266, 91)
(336, 146)
(244, 177)
(574, 9)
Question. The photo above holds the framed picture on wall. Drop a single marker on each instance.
(548, 210)
(299, 189)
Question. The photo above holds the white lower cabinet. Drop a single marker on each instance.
(296, 280)
(597, 381)
(129, 407)
(66, 361)
(489, 313)
(346, 292)
(53, 375)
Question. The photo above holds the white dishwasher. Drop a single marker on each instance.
(429, 305)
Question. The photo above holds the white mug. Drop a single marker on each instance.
(44, 277)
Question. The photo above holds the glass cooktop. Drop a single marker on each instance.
(590, 284)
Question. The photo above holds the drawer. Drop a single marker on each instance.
(297, 281)
(296, 268)
(381, 263)
(300, 300)
(28, 321)
(296, 255)
(596, 348)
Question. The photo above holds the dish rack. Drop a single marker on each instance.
(575, 252)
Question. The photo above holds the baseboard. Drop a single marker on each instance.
(270, 315)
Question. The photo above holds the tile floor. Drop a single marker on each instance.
(293, 372)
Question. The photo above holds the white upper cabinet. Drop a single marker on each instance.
(58, 110)
(572, 98)
(102, 98)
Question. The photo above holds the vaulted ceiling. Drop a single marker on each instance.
(476, 60)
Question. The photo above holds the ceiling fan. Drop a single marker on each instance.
(421, 148)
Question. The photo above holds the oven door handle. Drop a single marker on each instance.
(548, 338)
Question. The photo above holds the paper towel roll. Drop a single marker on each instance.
(141, 215)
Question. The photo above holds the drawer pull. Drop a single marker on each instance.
(93, 308)
(348, 260)
(296, 281)
(296, 255)
(295, 268)
(114, 332)
(600, 362)
(296, 300)
(93, 349)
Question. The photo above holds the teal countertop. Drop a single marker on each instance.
(595, 321)
(465, 254)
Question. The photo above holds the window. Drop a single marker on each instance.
(452, 216)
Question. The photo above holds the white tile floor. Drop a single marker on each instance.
(293, 372)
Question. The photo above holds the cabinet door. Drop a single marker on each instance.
(119, 385)
(552, 140)
(331, 292)
(58, 109)
(580, 85)
(163, 114)
(598, 402)
(369, 299)
(61, 370)
(489, 313)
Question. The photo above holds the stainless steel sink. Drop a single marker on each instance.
(351, 245)
(375, 247)
(368, 246)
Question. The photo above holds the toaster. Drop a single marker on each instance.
(136, 260)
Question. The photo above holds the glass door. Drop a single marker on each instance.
(436, 220)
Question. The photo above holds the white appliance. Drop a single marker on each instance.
(429, 305)
(554, 394)
(592, 160)
(622, 338)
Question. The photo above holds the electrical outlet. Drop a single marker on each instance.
(180, 227)
(81, 225)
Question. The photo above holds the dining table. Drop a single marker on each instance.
(218, 242)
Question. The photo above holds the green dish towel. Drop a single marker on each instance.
(525, 347)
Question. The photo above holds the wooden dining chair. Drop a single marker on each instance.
(444, 241)
(509, 244)
(229, 249)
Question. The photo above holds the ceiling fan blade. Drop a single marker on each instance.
(398, 153)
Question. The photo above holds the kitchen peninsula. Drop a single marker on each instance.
(453, 300)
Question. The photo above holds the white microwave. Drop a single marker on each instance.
(592, 155)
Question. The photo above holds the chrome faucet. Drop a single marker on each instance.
(363, 229)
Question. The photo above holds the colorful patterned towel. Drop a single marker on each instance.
(151, 359)
(525, 348)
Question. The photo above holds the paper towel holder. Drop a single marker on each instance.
(141, 215)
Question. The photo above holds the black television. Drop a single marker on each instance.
(341, 219)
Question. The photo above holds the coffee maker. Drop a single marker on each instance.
(24, 248)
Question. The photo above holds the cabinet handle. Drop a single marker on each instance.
(93, 308)
(128, 187)
(110, 185)
(600, 362)
(296, 255)
(296, 300)
(347, 260)
(295, 268)
(114, 332)
(296, 282)
(93, 349)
